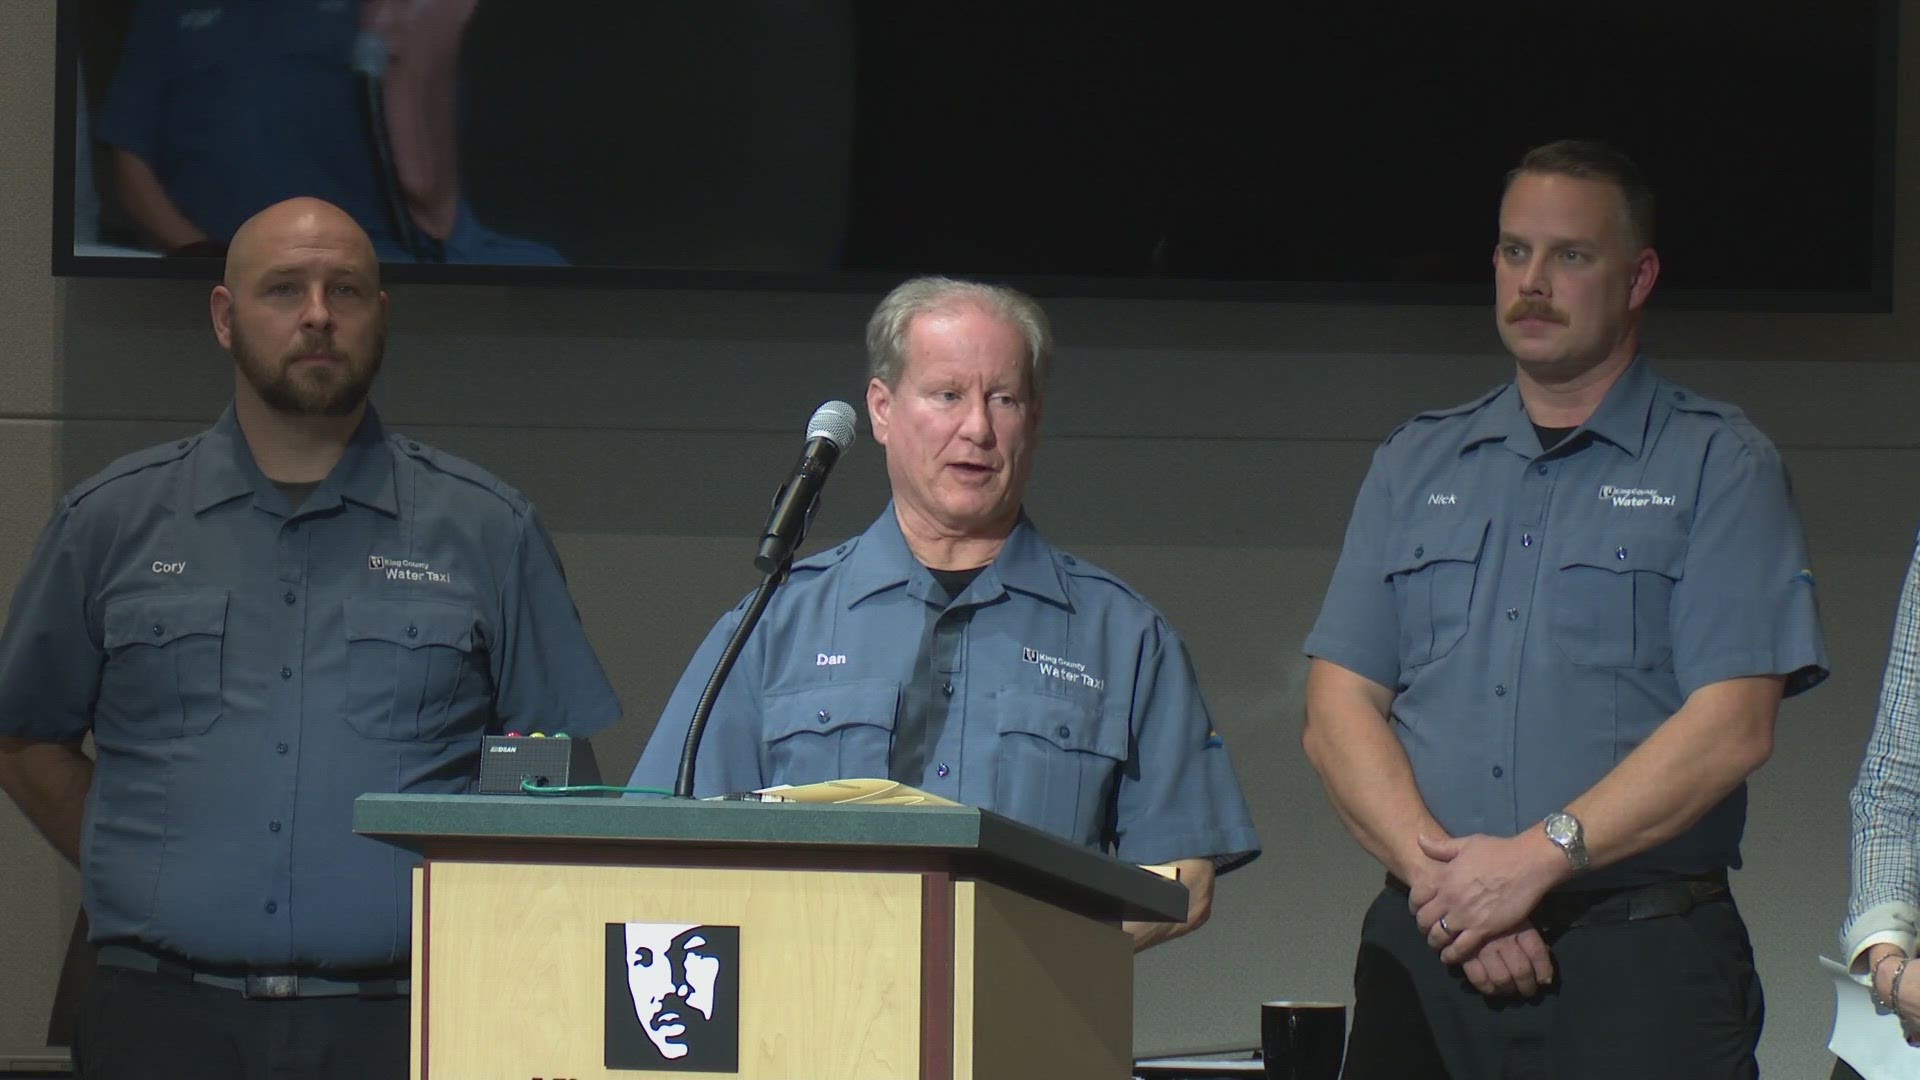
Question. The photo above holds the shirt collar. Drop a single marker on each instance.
(1621, 418)
(223, 469)
(1503, 417)
(882, 561)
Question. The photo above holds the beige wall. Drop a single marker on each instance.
(1206, 451)
(37, 895)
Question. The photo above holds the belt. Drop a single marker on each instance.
(256, 984)
(1609, 907)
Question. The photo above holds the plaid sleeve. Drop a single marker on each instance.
(1885, 849)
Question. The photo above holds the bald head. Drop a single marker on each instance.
(295, 230)
(301, 310)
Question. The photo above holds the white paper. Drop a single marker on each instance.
(1873, 1044)
(1206, 1066)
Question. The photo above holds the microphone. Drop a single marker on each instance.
(829, 435)
(369, 64)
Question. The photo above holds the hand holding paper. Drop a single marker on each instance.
(1875, 1045)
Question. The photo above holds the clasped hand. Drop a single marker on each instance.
(1472, 899)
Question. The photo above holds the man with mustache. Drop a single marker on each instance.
(1550, 655)
(953, 649)
(257, 624)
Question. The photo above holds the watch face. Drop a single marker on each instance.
(1560, 828)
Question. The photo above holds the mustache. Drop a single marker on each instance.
(1535, 309)
(314, 347)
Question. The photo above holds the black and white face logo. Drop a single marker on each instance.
(673, 997)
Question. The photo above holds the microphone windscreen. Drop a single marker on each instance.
(369, 56)
(834, 423)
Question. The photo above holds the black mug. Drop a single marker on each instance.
(1303, 1040)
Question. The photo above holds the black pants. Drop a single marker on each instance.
(139, 1026)
(1675, 996)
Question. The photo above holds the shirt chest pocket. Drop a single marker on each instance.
(1613, 595)
(414, 670)
(830, 732)
(1056, 761)
(1433, 569)
(161, 678)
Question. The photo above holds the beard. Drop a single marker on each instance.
(312, 390)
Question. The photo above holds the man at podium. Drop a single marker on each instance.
(950, 647)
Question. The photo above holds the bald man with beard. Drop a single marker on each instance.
(257, 624)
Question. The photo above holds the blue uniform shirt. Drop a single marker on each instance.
(246, 674)
(1539, 615)
(237, 106)
(1073, 708)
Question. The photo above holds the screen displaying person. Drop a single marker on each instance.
(217, 109)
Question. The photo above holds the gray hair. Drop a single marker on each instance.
(887, 329)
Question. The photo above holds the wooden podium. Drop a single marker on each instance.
(936, 943)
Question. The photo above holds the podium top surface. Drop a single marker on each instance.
(963, 838)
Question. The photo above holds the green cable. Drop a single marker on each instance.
(532, 788)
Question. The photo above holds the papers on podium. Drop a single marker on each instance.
(1873, 1044)
(868, 792)
(1222, 1063)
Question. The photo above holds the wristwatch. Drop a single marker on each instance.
(1565, 832)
